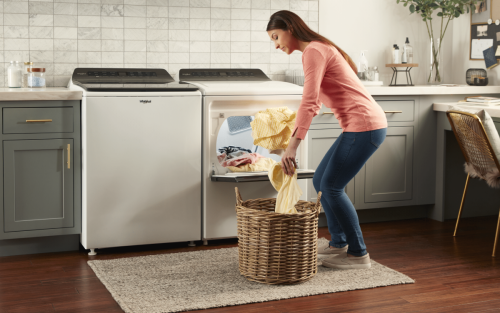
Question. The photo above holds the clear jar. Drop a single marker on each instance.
(27, 65)
(369, 74)
(14, 75)
(36, 77)
(376, 75)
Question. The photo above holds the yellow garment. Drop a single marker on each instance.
(261, 165)
(287, 187)
(272, 128)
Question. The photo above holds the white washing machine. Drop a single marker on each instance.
(141, 162)
(237, 93)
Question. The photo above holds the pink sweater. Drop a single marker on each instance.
(330, 80)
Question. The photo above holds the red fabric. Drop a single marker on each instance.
(330, 80)
(249, 158)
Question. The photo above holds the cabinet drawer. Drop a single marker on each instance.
(325, 116)
(37, 120)
(398, 111)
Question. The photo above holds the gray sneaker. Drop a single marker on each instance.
(342, 261)
(325, 249)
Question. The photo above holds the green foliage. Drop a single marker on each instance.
(446, 10)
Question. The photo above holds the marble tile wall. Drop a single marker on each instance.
(61, 35)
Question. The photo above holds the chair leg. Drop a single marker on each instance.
(496, 235)
(461, 205)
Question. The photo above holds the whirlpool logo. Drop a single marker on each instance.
(145, 101)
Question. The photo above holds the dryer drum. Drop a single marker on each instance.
(238, 124)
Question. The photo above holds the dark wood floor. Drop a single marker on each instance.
(452, 274)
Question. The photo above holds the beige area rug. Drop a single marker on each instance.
(210, 278)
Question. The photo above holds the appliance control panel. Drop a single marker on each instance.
(223, 74)
(121, 76)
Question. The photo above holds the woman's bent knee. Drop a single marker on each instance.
(332, 191)
(317, 181)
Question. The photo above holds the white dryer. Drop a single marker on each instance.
(141, 162)
(237, 93)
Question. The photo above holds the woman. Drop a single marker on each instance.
(331, 78)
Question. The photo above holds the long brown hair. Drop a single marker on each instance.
(287, 20)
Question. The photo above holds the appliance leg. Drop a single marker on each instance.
(205, 242)
(191, 244)
(92, 252)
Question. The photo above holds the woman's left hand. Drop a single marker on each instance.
(288, 163)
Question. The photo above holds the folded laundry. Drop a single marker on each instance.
(287, 187)
(272, 128)
(247, 158)
(262, 165)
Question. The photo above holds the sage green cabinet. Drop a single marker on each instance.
(41, 157)
(389, 171)
(38, 184)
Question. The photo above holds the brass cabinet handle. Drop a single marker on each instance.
(39, 121)
(393, 111)
(328, 113)
(69, 156)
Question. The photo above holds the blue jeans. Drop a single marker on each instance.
(341, 163)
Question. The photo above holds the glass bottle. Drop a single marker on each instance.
(14, 75)
(27, 65)
(409, 51)
(375, 74)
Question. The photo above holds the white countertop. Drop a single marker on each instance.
(29, 94)
(493, 111)
(63, 93)
(431, 90)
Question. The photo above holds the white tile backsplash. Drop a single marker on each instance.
(158, 46)
(113, 33)
(15, 7)
(61, 35)
(66, 20)
(41, 20)
(199, 13)
(111, 22)
(66, 8)
(134, 10)
(16, 19)
(157, 23)
(89, 9)
(41, 32)
(154, 11)
(16, 32)
(115, 10)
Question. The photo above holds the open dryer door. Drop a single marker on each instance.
(235, 131)
(242, 177)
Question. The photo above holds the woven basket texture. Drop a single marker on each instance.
(276, 248)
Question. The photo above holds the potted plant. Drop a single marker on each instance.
(447, 11)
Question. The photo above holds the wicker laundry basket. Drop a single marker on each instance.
(276, 248)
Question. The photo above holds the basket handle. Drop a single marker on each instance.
(318, 204)
(239, 200)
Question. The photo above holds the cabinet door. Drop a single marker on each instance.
(38, 184)
(389, 173)
(320, 140)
